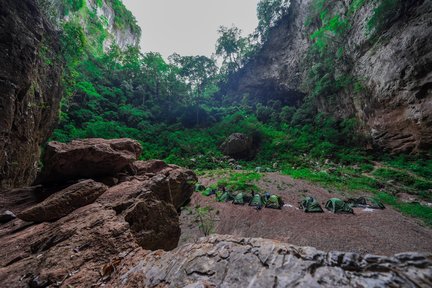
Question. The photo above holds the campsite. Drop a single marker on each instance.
(367, 231)
(203, 143)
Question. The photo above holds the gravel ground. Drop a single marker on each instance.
(383, 232)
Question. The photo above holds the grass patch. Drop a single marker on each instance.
(413, 185)
(394, 175)
(341, 179)
(411, 209)
(241, 181)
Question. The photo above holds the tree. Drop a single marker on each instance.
(232, 47)
(269, 12)
(200, 73)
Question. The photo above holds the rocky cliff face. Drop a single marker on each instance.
(129, 35)
(121, 37)
(115, 23)
(392, 94)
(30, 88)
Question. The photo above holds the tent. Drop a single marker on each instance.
(310, 205)
(224, 196)
(199, 187)
(336, 205)
(239, 199)
(256, 201)
(366, 202)
(208, 192)
(274, 202)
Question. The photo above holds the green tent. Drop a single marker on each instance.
(239, 199)
(336, 205)
(366, 202)
(310, 205)
(274, 202)
(208, 192)
(224, 197)
(256, 201)
(199, 187)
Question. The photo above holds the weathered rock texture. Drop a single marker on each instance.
(226, 261)
(88, 158)
(30, 89)
(88, 243)
(395, 106)
(173, 185)
(64, 202)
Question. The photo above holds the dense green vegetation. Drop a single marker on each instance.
(241, 182)
(176, 109)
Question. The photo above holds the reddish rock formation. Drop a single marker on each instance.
(172, 185)
(92, 227)
(64, 202)
(88, 158)
(154, 223)
(151, 166)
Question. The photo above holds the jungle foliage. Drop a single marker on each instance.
(175, 109)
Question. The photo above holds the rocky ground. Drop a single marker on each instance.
(382, 232)
(227, 261)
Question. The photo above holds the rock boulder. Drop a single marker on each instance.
(64, 202)
(174, 185)
(238, 146)
(154, 223)
(151, 166)
(88, 158)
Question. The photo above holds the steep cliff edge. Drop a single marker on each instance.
(30, 88)
(104, 22)
(337, 60)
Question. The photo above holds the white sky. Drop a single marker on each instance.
(189, 27)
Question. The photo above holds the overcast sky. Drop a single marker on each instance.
(189, 27)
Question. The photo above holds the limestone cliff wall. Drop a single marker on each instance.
(121, 36)
(394, 68)
(30, 89)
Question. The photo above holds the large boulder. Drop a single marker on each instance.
(154, 223)
(88, 158)
(238, 146)
(64, 202)
(174, 185)
(228, 261)
(149, 167)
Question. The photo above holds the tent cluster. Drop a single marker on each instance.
(241, 198)
(336, 205)
(308, 204)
